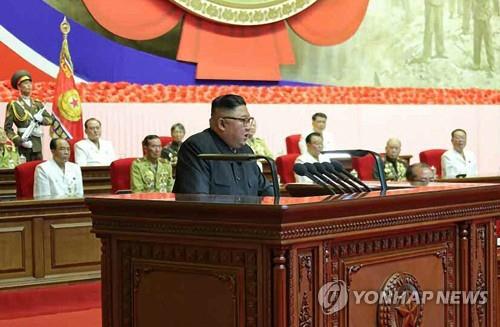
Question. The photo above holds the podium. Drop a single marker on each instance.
(205, 260)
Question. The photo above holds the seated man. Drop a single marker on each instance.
(419, 174)
(9, 158)
(394, 167)
(58, 177)
(228, 134)
(151, 173)
(458, 161)
(93, 151)
(318, 126)
(169, 152)
(314, 143)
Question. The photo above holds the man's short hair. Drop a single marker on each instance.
(53, 142)
(91, 119)
(310, 136)
(148, 138)
(227, 101)
(458, 130)
(319, 114)
(179, 126)
(411, 176)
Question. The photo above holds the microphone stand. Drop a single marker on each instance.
(378, 164)
(248, 157)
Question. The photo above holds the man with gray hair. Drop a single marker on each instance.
(394, 167)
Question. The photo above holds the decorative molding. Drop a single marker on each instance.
(230, 280)
(480, 287)
(305, 263)
(305, 317)
(443, 254)
(289, 232)
(350, 271)
(139, 274)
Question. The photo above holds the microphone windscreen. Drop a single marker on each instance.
(299, 169)
(328, 167)
(319, 167)
(310, 167)
(337, 165)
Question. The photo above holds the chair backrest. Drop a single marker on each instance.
(165, 140)
(432, 158)
(25, 178)
(72, 147)
(119, 172)
(284, 165)
(292, 144)
(364, 166)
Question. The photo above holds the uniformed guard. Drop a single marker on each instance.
(151, 173)
(27, 114)
(9, 158)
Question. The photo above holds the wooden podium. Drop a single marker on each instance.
(190, 260)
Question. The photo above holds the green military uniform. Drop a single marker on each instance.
(394, 171)
(21, 113)
(9, 158)
(259, 147)
(147, 177)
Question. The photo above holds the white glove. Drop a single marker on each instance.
(38, 117)
(27, 144)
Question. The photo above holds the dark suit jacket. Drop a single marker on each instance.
(194, 175)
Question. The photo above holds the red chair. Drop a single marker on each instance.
(119, 172)
(364, 166)
(25, 178)
(292, 144)
(166, 140)
(284, 165)
(432, 158)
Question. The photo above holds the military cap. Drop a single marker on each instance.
(19, 77)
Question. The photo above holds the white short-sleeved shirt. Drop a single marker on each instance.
(87, 153)
(51, 181)
(453, 164)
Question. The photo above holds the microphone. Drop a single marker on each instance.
(332, 180)
(301, 170)
(378, 163)
(331, 169)
(312, 169)
(247, 157)
(338, 167)
(322, 168)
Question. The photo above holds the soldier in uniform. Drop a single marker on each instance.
(9, 158)
(151, 173)
(21, 113)
(394, 167)
(483, 33)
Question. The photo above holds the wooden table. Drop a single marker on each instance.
(46, 241)
(193, 260)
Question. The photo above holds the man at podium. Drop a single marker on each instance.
(230, 124)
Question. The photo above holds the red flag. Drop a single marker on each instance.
(67, 106)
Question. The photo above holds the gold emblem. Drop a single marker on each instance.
(401, 304)
(70, 105)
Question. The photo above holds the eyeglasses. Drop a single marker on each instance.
(245, 121)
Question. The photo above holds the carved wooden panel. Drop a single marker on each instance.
(306, 295)
(15, 250)
(365, 265)
(229, 272)
(70, 246)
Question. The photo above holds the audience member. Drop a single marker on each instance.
(318, 126)
(419, 174)
(314, 142)
(94, 151)
(229, 129)
(9, 158)
(394, 167)
(151, 173)
(458, 162)
(169, 152)
(21, 113)
(58, 177)
(258, 144)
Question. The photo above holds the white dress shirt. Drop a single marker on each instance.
(453, 164)
(307, 157)
(327, 142)
(52, 181)
(87, 153)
